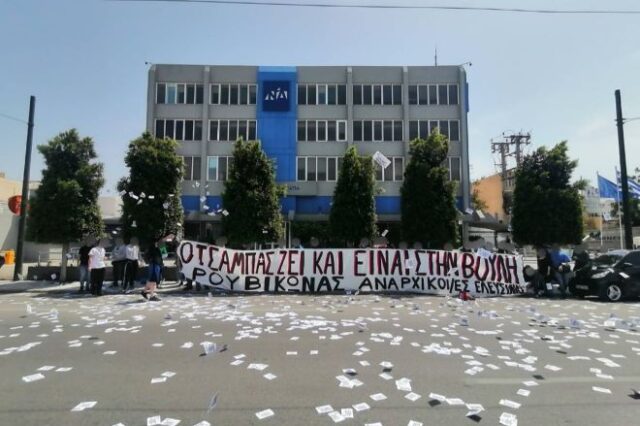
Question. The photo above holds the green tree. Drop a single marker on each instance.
(427, 196)
(477, 203)
(64, 208)
(547, 208)
(151, 207)
(353, 212)
(251, 197)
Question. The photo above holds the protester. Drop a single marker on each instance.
(118, 261)
(97, 267)
(581, 257)
(544, 271)
(154, 260)
(560, 267)
(132, 255)
(83, 254)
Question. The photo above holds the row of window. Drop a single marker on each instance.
(422, 128)
(181, 130)
(233, 94)
(309, 130)
(377, 94)
(433, 94)
(310, 169)
(322, 94)
(179, 93)
(310, 94)
(231, 130)
(377, 131)
(322, 131)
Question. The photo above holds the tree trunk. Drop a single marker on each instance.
(63, 263)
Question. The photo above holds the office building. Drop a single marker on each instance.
(305, 117)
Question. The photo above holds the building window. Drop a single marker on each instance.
(433, 94)
(231, 130)
(422, 128)
(377, 130)
(181, 130)
(393, 172)
(179, 93)
(398, 168)
(218, 168)
(302, 168)
(453, 94)
(322, 94)
(455, 171)
(232, 94)
(331, 169)
(377, 94)
(322, 131)
(357, 131)
(320, 169)
(342, 94)
(191, 168)
(357, 94)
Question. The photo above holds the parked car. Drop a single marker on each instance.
(579, 284)
(619, 282)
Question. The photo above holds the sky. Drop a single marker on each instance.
(551, 75)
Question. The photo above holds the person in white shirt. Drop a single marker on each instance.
(132, 254)
(97, 267)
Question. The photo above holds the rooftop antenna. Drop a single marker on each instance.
(436, 56)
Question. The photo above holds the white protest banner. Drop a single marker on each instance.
(366, 270)
(383, 161)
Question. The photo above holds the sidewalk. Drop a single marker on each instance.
(7, 286)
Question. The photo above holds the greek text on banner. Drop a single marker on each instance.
(365, 270)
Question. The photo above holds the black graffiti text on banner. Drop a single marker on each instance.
(366, 270)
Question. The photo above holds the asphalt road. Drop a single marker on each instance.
(536, 359)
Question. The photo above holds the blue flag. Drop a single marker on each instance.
(608, 189)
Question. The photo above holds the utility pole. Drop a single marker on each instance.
(503, 149)
(17, 273)
(626, 211)
(518, 140)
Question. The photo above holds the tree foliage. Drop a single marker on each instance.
(477, 202)
(427, 196)
(305, 231)
(151, 207)
(251, 197)
(353, 212)
(64, 208)
(547, 208)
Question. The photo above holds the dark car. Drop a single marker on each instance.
(621, 281)
(579, 284)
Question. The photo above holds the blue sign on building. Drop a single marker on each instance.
(276, 96)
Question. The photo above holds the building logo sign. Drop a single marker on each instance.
(275, 96)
